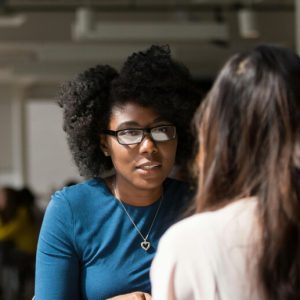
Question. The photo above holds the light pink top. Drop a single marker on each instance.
(209, 256)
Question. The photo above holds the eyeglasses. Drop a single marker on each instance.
(136, 135)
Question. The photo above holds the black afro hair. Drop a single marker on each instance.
(150, 78)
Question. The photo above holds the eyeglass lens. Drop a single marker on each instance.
(158, 134)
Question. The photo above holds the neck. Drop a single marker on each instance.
(132, 195)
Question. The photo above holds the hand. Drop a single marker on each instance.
(132, 296)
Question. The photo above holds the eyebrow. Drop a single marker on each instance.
(133, 124)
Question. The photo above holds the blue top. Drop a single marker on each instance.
(88, 247)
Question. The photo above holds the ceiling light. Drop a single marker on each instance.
(12, 21)
(247, 23)
(85, 28)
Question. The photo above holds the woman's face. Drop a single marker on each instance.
(144, 165)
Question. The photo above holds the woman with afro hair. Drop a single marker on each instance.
(125, 131)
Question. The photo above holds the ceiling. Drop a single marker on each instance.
(47, 41)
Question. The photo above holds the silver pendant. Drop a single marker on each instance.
(145, 245)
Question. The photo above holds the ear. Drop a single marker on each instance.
(104, 145)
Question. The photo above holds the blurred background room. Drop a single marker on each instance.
(43, 43)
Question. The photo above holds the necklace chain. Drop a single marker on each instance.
(145, 244)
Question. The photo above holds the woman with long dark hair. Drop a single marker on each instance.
(245, 243)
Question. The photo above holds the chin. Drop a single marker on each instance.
(150, 183)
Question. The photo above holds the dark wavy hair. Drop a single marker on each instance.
(249, 135)
(150, 78)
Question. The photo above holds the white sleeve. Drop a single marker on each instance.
(183, 268)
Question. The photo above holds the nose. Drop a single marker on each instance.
(148, 145)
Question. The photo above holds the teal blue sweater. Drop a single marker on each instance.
(88, 247)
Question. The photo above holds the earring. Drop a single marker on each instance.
(106, 153)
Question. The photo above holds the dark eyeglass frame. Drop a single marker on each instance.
(115, 133)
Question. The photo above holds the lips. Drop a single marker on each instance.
(149, 166)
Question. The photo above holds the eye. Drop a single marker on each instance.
(162, 129)
(130, 132)
(164, 133)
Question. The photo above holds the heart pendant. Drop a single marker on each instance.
(145, 245)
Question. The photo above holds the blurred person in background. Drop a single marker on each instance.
(98, 237)
(244, 243)
(18, 239)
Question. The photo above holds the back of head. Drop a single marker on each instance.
(248, 130)
(248, 124)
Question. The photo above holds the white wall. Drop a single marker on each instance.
(10, 139)
(48, 160)
(5, 135)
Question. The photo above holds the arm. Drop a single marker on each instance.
(57, 265)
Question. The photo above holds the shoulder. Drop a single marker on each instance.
(83, 191)
(79, 198)
(228, 224)
(210, 249)
(85, 187)
(71, 205)
(190, 230)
